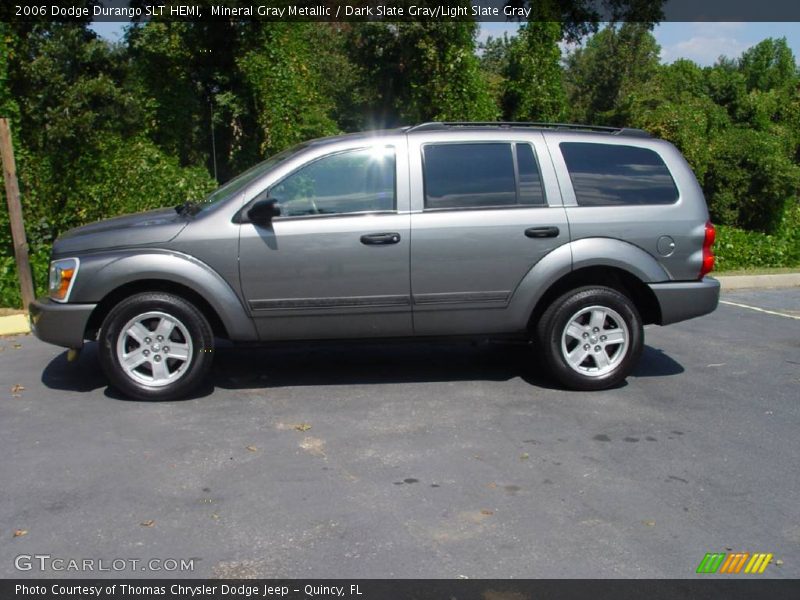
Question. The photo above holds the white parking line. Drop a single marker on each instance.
(763, 310)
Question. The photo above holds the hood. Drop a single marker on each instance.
(140, 229)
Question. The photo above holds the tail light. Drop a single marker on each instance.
(708, 252)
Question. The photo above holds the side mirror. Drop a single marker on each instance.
(263, 211)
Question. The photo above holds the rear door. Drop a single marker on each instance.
(484, 212)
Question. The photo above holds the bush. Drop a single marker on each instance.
(124, 177)
(750, 180)
(9, 284)
(740, 249)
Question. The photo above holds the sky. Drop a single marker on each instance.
(703, 43)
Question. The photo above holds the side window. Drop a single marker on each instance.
(469, 175)
(613, 175)
(530, 182)
(481, 175)
(347, 182)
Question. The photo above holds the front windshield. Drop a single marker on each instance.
(240, 182)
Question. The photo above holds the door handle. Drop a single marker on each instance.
(541, 232)
(380, 239)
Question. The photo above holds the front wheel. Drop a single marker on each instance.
(591, 338)
(155, 346)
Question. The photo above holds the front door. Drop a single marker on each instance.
(335, 263)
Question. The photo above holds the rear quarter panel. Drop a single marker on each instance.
(641, 225)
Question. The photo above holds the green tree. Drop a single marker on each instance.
(725, 84)
(284, 86)
(769, 65)
(444, 81)
(421, 71)
(8, 106)
(494, 54)
(226, 95)
(680, 79)
(772, 101)
(750, 181)
(494, 63)
(534, 88)
(340, 80)
(72, 91)
(188, 73)
(613, 64)
(83, 151)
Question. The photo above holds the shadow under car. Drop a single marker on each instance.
(333, 363)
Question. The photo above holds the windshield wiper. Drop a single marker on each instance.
(190, 207)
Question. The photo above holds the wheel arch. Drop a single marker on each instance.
(590, 261)
(112, 278)
(115, 296)
(602, 275)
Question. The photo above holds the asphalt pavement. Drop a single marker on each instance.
(413, 460)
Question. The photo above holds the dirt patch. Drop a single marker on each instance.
(314, 446)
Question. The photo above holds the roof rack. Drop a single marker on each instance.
(442, 125)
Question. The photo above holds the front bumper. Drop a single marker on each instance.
(60, 324)
(681, 300)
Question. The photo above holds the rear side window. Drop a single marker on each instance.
(530, 184)
(613, 175)
(478, 175)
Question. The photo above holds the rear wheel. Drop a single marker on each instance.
(155, 346)
(591, 338)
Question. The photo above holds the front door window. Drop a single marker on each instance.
(356, 181)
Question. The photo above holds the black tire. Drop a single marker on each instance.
(589, 375)
(188, 374)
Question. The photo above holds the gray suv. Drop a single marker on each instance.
(572, 237)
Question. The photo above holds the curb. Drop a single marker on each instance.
(14, 325)
(746, 282)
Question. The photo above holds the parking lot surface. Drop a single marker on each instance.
(415, 460)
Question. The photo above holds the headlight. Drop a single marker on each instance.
(62, 276)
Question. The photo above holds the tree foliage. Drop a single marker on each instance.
(284, 90)
(769, 65)
(613, 63)
(8, 106)
(82, 146)
(535, 89)
(421, 71)
(494, 62)
(735, 122)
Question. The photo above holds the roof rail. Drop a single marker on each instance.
(442, 125)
